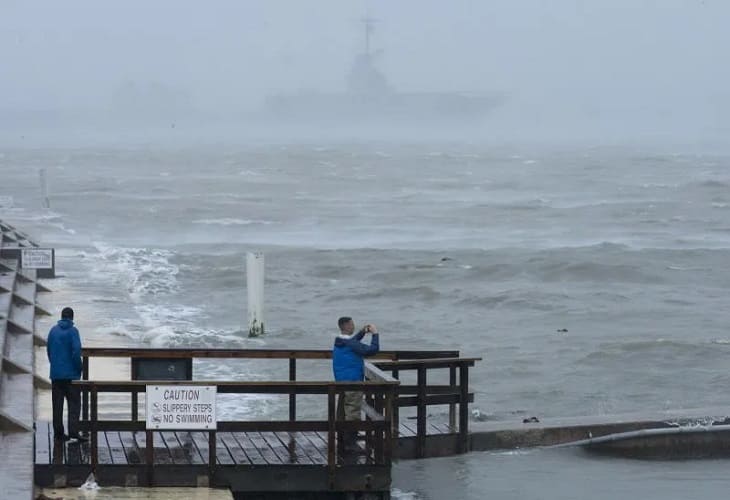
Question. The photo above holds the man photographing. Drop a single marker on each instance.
(348, 366)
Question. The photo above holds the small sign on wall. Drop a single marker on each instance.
(181, 407)
(36, 258)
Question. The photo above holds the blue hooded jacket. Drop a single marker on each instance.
(64, 351)
(348, 354)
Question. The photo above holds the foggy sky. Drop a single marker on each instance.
(602, 63)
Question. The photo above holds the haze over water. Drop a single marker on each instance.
(577, 239)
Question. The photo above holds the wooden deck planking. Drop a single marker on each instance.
(249, 448)
(200, 442)
(239, 456)
(130, 448)
(116, 450)
(279, 449)
(406, 430)
(222, 455)
(317, 449)
(294, 443)
(191, 448)
(192, 451)
(177, 452)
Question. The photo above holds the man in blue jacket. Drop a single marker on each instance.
(348, 366)
(64, 354)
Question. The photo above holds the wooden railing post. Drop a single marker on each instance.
(370, 435)
(135, 406)
(452, 406)
(390, 400)
(85, 391)
(94, 436)
(379, 435)
(149, 455)
(464, 408)
(211, 457)
(292, 396)
(395, 423)
(331, 420)
(421, 414)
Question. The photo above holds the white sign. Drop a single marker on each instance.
(36, 258)
(181, 407)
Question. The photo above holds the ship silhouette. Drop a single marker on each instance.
(370, 99)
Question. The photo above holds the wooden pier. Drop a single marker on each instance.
(266, 458)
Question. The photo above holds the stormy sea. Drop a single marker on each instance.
(590, 280)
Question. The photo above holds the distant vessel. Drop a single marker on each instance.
(369, 98)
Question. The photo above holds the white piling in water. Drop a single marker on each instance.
(255, 286)
(44, 188)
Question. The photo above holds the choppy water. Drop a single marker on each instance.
(591, 281)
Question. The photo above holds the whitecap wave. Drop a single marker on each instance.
(144, 271)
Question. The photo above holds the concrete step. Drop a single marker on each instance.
(19, 350)
(16, 398)
(22, 318)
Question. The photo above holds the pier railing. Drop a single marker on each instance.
(376, 428)
(386, 367)
(421, 395)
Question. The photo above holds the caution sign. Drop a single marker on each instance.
(181, 407)
(36, 258)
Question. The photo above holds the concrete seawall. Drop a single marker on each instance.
(489, 436)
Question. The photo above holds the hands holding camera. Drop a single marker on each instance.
(370, 328)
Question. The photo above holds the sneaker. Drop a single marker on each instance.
(79, 438)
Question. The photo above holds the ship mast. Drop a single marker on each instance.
(369, 24)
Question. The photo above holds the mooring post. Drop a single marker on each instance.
(44, 188)
(255, 287)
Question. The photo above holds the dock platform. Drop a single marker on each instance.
(292, 456)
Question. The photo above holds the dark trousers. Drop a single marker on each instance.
(60, 390)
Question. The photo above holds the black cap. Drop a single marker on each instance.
(67, 313)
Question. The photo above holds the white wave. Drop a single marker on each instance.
(229, 221)
(116, 330)
(144, 271)
(403, 495)
(170, 314)
(160, 336)
(681, 268)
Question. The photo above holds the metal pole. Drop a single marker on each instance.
(255, 287)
